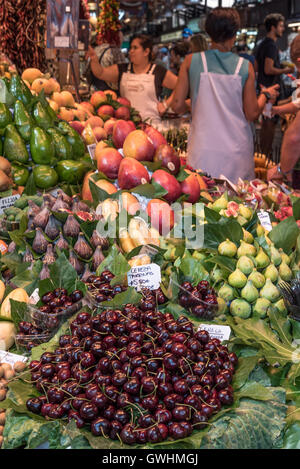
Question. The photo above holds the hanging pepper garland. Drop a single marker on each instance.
(108, 22)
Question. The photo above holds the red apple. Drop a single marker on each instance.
(155, 136)
(78, 126)
(191, 187)
(161, 216)
(169, 183)
(168, 157)
(137, 145)
(132, 173)
(124, 101)
(122, 112)
(120, 131)
(97, 98)
(109, 125)
(108, 162)
(105, 110)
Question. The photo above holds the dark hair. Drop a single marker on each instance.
(181, 49)
(198, 43)
(222, 24)
(272, 20)
(295, 49)
(145, 41)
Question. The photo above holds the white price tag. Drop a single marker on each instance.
(144, 276)
(264, 219)
(11, 358)
(54, 193)
(216, 332)
(62, 41)
(8, 202)
(91, 149)
(34, 297)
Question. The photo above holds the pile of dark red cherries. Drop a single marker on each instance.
(136, 374)
(201, 300)
(48, 316)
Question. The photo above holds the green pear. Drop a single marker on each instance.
(220, 203)
(237, 279)
(249, 292)
(285, 272)
(260, 230)
(271, 272)
(226, 292)
(248, 238)
(261, 307)
(245, 264)
(240, 308)
(262, 260)
(284, 257)
(246, 249)
(257, 279)
(275, 256)
(270, 291)
(227, 248)
(246, 212)
(281, 306)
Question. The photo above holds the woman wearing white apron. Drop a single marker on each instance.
(222, 87)
(140, 81)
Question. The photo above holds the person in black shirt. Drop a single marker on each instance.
(267, 62)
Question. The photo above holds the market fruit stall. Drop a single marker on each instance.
(122, 330)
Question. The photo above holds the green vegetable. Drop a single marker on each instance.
(22, 202)
(23, 120)
(71, 171)
(5, 116)
(20, 175)
(44, 176)
(14, 146)
(20, 90)
(63, 149)
(42, 150)
(41, 116)
(76, 142)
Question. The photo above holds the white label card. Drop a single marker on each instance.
(216, 332)
(144, 276)
(8, 202)
(91, 150)
(11, 358)
(62, 41)
(264, 219)
(35, 297)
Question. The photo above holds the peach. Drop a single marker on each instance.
(94, 121)
(88, 106)
(120, 131)
(31, 74)
(124, 101)
(169, 183)
(108, 161)
(137, 145)
(105, 110)
(168, 157)
(161, 216)
(122, 112)
(78, 126)
(97, 98)
(100, 133)
(113, 94)
(66, 114)
(190, 186)
(58, 98)
(68, 99)
(132, 173)
(109, 125)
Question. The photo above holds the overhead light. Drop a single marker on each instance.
(294, 25)
(127, 20)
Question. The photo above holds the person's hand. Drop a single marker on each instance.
(274, 92)
(288, 70)
(91, 54)
(277, 111)
(161, 108)
(274, 174)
